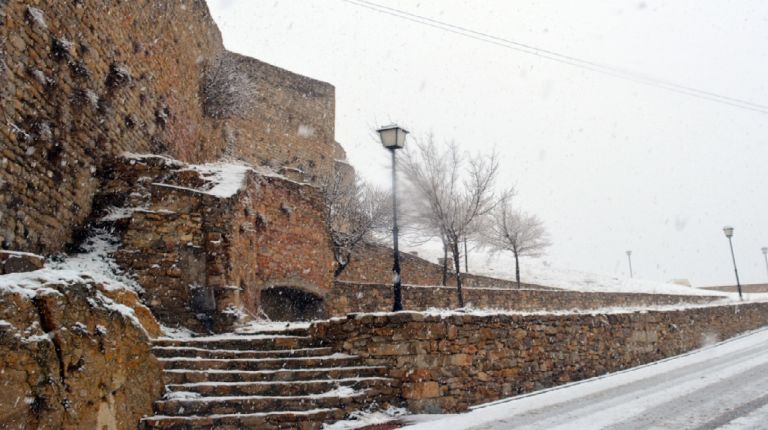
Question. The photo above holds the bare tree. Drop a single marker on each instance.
(355, 210)
(508, 229)
(451, 190)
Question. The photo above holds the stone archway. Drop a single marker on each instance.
(291, 304)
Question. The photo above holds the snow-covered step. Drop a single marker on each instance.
(192, 351)
(332, 360)
(259, 342)
(304, 420)
(278, 388)
(340, 398)
(181, 376)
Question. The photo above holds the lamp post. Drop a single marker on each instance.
(765, 256)
(728, 230)
(629, 258)
(393, 138)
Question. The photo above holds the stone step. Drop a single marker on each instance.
(237, 342)
(192, 351)
(333, 360)
(181, 376)
(298, 331)
(284, 420)
(279, 388)
(341, 399)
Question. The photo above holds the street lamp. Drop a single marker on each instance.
(728, 230)
(629, 258)
(393, 138)
(765, 256)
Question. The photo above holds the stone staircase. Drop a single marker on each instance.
(270, 380)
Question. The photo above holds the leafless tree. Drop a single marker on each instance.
(451, 190)
(508, 229)
(355, 210)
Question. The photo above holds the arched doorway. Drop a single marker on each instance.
(291, 304)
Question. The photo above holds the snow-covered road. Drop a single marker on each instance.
(721, 386)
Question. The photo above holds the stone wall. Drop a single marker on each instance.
(84, 81)
(74, 358)
(448, 363)
(352, 297)
(204, 259)
(371, 263)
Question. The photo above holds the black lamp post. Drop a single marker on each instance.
(728, 230)
(629, 258)
(393, 138)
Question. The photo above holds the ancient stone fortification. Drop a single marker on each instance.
(351, 297)
(75, 356)
(448, 363)
(209, 242)
(85, 81)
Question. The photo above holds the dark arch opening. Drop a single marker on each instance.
(291, 304)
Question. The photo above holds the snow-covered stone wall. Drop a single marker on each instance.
(205, 240)
(83, 81)
(450, 361)
(372, 263)
(364, 297)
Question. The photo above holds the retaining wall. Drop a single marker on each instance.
(348, 297)
(448, 363)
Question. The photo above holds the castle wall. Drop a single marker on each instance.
(85, 81)
(203, 258)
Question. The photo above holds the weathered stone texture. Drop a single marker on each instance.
(72, 360)
(84, 81)
(351, 297)
(448, 363)
(16, 262)
(203, 259)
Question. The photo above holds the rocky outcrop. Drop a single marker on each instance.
(16, 262)
(72, 356)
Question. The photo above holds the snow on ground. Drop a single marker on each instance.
(532, 271)
(360, 419)
(259, 326)
(719, 386)
(96, 261)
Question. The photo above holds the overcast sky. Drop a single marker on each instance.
(608, 164)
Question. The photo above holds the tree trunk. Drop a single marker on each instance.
(445, 264)
(517, 270)
(457, 265)
(341, 264)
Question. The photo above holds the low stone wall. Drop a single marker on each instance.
(372, 263)
(351, 297)
(448, 363)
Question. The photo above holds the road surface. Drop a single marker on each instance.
(723, 386)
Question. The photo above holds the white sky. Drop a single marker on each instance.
(609, 165)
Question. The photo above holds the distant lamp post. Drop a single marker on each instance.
(629, 258)
(728, 230)
(765, 256)
(393, 138)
